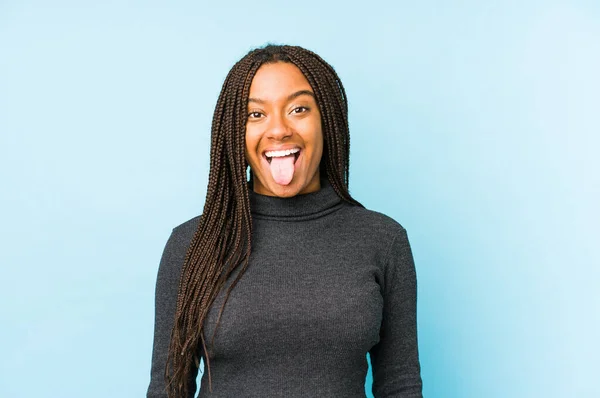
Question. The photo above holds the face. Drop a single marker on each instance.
(284, 141)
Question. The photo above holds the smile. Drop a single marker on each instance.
(269, 155)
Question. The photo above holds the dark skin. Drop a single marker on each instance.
(283, 114)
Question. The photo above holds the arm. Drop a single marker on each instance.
(395, 359)
(167, 285)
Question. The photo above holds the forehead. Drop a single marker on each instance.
(275, 81)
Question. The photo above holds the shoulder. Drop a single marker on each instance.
(372, 222)
(369, 234)
(181, 236)
(382, 239)
(187, 228)
(177, 245)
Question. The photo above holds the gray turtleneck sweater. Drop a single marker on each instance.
(327, 283)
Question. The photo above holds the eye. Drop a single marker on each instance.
(254, 115)
(300, 109)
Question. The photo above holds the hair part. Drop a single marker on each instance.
(223, 239)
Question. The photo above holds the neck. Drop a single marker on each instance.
(310, 205)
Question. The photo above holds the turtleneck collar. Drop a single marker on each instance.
(311, 205)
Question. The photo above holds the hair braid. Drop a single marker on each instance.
(223, 239)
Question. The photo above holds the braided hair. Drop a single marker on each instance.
(223, 238)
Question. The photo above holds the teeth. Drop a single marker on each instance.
(271, 154)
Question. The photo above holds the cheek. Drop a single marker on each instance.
(319, 147)
(319, 139)
(313, 132)
(250, 143)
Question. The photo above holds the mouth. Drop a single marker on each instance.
(296, 152)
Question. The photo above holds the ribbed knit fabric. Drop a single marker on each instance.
(327, 283)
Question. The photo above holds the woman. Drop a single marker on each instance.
(312, 280)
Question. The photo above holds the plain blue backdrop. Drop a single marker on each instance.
(474, 124)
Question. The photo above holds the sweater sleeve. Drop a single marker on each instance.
(395, 358)
(167, 285)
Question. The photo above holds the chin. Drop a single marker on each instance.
(286, 191)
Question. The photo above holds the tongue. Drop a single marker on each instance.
(282, 169)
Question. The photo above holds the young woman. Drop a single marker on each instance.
(285, 282)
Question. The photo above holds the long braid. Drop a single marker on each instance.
(223, 239)
(331, 98)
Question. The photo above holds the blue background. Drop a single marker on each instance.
(474, 124)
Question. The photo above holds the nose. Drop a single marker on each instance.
(278, 128)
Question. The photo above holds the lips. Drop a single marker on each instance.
(281, 148)
(296, 155)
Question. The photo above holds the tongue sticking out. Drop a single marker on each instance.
(282, 169)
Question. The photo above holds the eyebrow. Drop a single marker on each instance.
(289, 98)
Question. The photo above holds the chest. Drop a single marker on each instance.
(300, 293)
